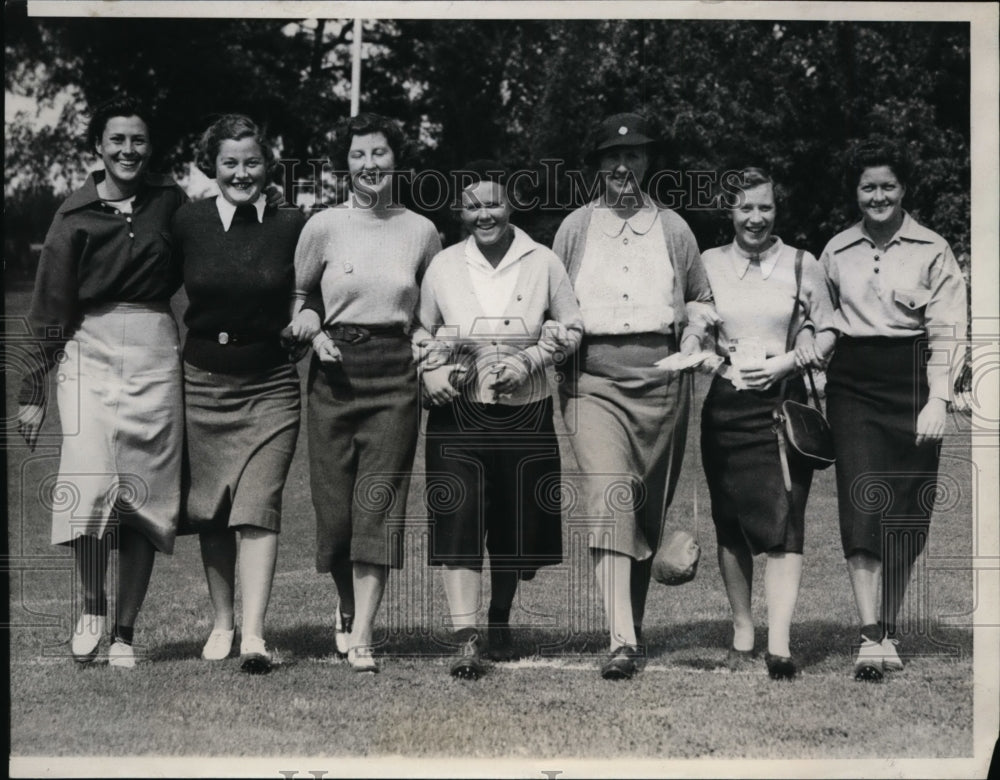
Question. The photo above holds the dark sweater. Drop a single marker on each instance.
(238, 283)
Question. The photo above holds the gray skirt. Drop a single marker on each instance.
(628, 424)
(119, 399)
(241, 435)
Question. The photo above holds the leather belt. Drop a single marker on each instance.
(359, 334)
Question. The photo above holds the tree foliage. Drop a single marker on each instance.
(786, 95)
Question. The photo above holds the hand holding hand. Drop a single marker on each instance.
(29, 422)
(555, 336)
(437, 383)
(508, 375)
(305, 325)
(325, 348)
(931, 421)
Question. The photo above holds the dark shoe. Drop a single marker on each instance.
(468, 663)
(500, 645)
(870, 661)
(254, 656)
(620, 663)
(780, 667)
(739, 660)
(342, 625)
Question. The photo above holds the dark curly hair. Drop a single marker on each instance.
(120, 105)
(366, 124)
(228, 127)
(876, 152)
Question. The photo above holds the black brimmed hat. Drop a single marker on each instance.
(621, 130)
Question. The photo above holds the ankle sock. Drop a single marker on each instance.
(872, 632)
(123, 634)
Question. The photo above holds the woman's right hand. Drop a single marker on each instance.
(437, 384)
(305, 326)
(325, 348)
(29, 422)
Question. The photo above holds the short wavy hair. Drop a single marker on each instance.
(366, 124)
(875, 152)
(230, 127)
(734, 182)
(120, 105)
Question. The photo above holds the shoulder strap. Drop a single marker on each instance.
(790, 338)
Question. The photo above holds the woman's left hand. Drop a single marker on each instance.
(510, 374)
(931, 421)
(774, 370)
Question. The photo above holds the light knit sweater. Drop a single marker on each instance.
(368, 264)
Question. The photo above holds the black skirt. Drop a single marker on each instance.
(493, 484)
(739, 450)
(875, 390)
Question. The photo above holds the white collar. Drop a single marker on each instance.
(521, 245)
(639, 223)
(227, 210)
(768, 258)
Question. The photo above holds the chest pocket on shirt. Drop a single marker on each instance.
(910, 305)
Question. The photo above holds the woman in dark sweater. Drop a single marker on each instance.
(100, 309)
(241, 392)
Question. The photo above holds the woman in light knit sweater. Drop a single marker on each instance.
(502, 310)
(241, 392)
(636, 271)
(365, 258)
(754, 284)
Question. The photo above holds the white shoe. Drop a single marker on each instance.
(869, 664)
(86, 638)
(121, 656)
(219, 645)
(254, 655)
(890, 655)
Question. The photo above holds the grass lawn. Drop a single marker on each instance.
(549, 708)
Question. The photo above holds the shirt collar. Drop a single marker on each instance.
(519, 247)
(909, 230)
(227, 210)
(639, 223)
(87, 194)
(768, 258)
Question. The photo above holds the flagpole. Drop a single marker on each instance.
(356, 70)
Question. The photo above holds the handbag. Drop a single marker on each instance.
(677, 556)
(799, 427)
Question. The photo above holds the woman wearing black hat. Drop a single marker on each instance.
(636, 271)
(900, 320)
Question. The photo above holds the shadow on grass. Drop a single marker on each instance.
(697, 645)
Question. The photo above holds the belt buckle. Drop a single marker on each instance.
(355, 335)
(223, 338)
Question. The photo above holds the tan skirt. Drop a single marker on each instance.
(627, 426)
(120, 403)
